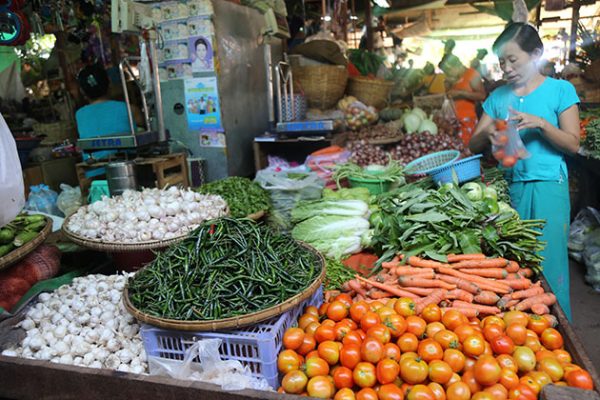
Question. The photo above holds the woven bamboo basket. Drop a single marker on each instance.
(372, 92)
(232, 322)
(20, 252)
(430, 102)
(322, 85)
(390, 140)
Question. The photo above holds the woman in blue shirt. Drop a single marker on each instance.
(546, 113)
(102, 116)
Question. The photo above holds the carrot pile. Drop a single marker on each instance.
(470, 283)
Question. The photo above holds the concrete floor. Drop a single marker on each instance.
(585, 306)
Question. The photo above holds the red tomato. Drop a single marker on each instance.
(371, 350)
(390, 392)
(492, 331)
(433, 328)
(420, 392)
(341, 329)
(368, 320)
(352, 338)
(499, 154)
(415, 325)
(337, 311)
(413, 371)
(458, 391)
(312, 310)
(508, 362)
(342, 378)
(358, 310)
(524, 358)
(320, 387)
(497, 391)
(509, 378)
(537, 324)
(463, 331)
(288, 360)
(329, 351)
(552, 339)
(509, 161)
(294, 382)
(379, 332)
(501, 125)
(350, 355)
(487, 371)
(579, 378)
(364, 374)
(552, 367)
(366, 394)
(315, 367)
(324, 332)
(405, 306)
(517, 332)
(453, 318)
(522, 392)
(502, 345)
(293, 338)
(392, 352)
(308, 344)
(455, 359)
(345, 394)
(396, 324)
(430, 350)
(344, 298)
(440, 372)
(474, 346)
(432, 313)
(468, 377)
(408, 342)
(307, 319)
(482, 396)
(437, 390)
(447, 339)
(387, 371)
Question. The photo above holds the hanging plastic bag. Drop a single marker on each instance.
(509, 147)
(323, 162)
(202, 362)
(69, 199)
(286, 189)
(12, 195)
(591, 258)
(43, 199)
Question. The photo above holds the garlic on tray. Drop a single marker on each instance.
(151, 214)
(84, 324)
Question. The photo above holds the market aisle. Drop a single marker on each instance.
(585, 303)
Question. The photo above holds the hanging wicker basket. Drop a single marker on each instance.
(323, 85)
(371, 91)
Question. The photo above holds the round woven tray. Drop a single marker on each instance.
(391, 140)
(232, 322)
(20, 252)
(114, 247)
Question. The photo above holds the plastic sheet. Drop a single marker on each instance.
(43, 199)
(202, 362)
(69, 199)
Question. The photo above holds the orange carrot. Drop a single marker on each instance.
(503, 301)
(427, 274)
(510, 304)
(460, 283)
(389, 265)
(532, 291)
(540, 309)
(526, 272)
(434, 298)
(419, 291)
(496, 273)
(487, 297)
(483, 283)
(487, 263)
(355, 285)
(514, 275)
(421, 263)
(467, 312)
(547, 299)
(518, 284)
(404, 270)
(513, 266)
(378, 294)
(388, 288)
(482, 309)
(459, 294)
(427, 283)
(452, 258)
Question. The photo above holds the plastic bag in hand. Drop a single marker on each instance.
(509, 147)
(43, 199)
(12, 197)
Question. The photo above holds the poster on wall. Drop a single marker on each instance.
(212, 138)
(202, 103)
(201, 54)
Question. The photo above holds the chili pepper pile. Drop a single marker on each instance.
(225, 268)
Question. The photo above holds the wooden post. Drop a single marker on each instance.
(538, 15)
(574, 22)
(344, 11)
(368, 18)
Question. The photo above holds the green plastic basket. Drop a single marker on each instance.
(375, 186)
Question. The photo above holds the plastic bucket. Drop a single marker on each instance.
(374, 185)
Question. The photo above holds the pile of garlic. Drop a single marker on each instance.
(151, 214)
(84, 324)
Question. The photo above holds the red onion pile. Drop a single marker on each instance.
(413, 146)
(365, 154)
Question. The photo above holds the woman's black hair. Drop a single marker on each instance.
(525, 35)
(201, 41)
(93, 80)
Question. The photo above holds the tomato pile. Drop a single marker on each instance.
(381, 350)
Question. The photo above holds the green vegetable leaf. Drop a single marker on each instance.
(468, 242)
(431, 216)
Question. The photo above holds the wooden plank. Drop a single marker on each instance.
(553, 392)
(32, 379)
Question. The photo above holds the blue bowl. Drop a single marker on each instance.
(466, 170)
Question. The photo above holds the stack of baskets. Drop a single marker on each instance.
(322, 85)
(443, 167)
(370, 91)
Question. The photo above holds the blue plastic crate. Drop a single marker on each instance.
(256, 346)
(466, 170)
(431, 162)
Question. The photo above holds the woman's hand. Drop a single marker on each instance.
(527, 121)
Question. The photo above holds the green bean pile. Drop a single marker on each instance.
(225, 268)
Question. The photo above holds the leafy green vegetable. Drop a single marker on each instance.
(366, 62)
(359, 193)
(322, 227)
(243, 196)
(350, 208)
(592, 138)
(336, 274)
(473, 191)
(392, 172)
